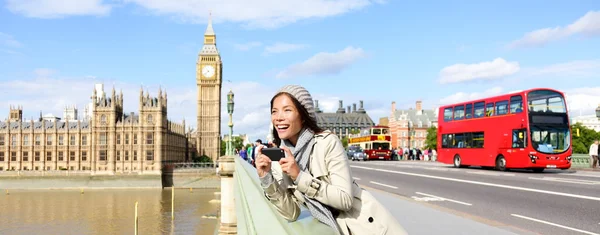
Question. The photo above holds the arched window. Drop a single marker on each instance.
(103, 118)
(149, 118)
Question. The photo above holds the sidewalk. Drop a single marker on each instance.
(418, 218)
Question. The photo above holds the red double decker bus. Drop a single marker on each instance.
(375, 142)
(526, 129)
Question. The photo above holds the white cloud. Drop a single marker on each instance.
(588, 25)
(58, 9)
(9, 41)
(247, 46)
(280, 47)
(42, 92)
(464, 96)
(487, 70)
(583, 101)
(579, 68)
(324, 63)
(254, 14)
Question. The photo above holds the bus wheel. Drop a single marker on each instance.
(501, 163)
(457, 161)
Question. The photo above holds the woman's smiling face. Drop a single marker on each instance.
(285, 116)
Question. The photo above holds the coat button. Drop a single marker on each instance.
(370, 219)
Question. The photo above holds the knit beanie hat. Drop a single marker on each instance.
(302, 95)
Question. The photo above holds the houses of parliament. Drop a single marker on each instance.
(106, 141)
(110, 141)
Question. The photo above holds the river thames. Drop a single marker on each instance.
(107, 211)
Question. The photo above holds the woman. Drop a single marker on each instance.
(315, 172)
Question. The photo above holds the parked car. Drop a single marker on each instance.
(356, 153)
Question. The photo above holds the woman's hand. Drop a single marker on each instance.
(289, 165)
(263, 163)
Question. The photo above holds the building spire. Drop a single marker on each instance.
(209, 28)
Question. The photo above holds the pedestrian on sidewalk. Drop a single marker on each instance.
(594, 153)
(315, 172)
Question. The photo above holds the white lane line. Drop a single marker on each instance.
(394, 187)
(484, 183)
(356, 178)
(582, 175)
(490, 173)
(445, 199)
(563, 180)
(553, 224)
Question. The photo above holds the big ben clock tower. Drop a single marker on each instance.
(209, 79)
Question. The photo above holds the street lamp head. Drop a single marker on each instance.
(598, 112)
(230, 102)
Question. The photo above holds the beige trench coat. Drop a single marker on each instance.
(359, 212)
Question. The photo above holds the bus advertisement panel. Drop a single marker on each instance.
(527, 129)
(375, 142)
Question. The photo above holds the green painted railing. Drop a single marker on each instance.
(580, 161)
(256, 215)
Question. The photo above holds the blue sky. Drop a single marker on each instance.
(379, 51)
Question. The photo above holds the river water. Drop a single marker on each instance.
(107, 211)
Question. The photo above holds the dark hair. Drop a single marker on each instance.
(307, 121)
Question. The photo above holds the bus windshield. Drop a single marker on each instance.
(550, 139)
(546, 101)
(383, 146)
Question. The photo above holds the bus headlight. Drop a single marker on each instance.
(569, 159)
(533, 158)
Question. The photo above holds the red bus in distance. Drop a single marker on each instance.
(526, 129)
(375, 142)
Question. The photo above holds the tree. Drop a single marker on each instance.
(345, 139)
(237, 144)
(431, 140)
(201, 159)
(586, 137)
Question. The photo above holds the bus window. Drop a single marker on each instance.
(376, 131)
(479, 109)
(489, 110)
(447, 140)
(519, 138)
(546, 101)
(477, 140)
(381, 146)
(459, 112)
(516, 104)
(448, 114)
(460, 141)
(469, 111)
(468, 140)
(385, 131)
(501, 107)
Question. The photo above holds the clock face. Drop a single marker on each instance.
(208, 71)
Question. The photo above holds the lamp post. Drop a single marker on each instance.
(230, 111)
(411, 133)
(598, 112)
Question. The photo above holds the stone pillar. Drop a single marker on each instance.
(228, 223)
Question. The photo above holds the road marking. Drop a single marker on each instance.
(484, 183)
(356, 178)
(490, 173)
(563, 180)
(426, 199)
(583, 175)
(394, 187)
(445, 199)
(553, 224)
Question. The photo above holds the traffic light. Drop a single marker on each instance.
(577, 132)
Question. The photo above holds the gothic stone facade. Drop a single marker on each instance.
(111, 142)
(343, 121)
(209, 74)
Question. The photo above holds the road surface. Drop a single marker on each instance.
(553, 202)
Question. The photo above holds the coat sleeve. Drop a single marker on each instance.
(337, 193)
(275, 188)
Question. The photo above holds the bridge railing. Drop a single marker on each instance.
(256, 215)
